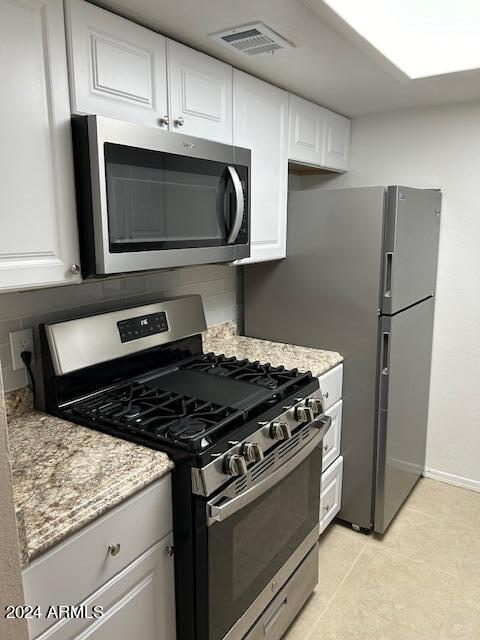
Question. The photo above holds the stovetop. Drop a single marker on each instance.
(191, 405)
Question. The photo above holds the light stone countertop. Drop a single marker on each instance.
(223, 339)
(65, 476)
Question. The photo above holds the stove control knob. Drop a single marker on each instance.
(252, 451)
(315, 405)
(280, 431)
(304, 414)
(235, 465)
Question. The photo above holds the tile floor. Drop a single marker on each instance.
(421, 581)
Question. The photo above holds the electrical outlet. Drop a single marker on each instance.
(21, 341)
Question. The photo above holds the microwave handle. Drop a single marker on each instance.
(240, 205)
(222, 512)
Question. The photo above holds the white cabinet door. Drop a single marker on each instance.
(261, 124)
(331, 493)
(336, 151)
(332, 439)
(331, 384)
(139, 602)
(200, 94)
(117, 68)
(85, 555)
(38, 238)
(307, 127)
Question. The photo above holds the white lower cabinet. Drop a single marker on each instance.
(139, 602)
(331, 384)
(38, 238)
(114, 564)
(260, 123)
(331, 493)
(332, 439)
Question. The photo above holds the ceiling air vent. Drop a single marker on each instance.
(251, 39)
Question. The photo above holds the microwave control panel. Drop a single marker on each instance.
(142, 326)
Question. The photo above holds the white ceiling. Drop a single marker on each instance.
(421, 38)
(330, 64)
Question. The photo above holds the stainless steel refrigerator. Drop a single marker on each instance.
(359, 278)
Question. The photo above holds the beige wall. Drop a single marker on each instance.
(11, 591)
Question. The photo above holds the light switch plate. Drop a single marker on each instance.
(21, 341)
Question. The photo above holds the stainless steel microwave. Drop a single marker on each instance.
(148, 198)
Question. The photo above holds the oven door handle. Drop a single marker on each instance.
(217, 513)
(239, 207)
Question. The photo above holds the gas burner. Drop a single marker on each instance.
(187, 428)
(267, 381)
(132, 412)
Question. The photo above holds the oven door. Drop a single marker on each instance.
(258, 538)
(162, 199)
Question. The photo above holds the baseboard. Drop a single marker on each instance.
(450, 478)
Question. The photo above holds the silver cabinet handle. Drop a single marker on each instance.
(179, 122)
(164, 121)
(326, 507)
(75, 268)
(237, 223)
(325, 447)
(114, 549)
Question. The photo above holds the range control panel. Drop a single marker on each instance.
(142, 326)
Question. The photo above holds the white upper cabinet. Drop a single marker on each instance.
(117, 68)
(336, 150)
(318, 136)
(200, 94)
(307, 130)
(38, 238)
(261, 124)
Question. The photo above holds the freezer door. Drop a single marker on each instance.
(405, 358)
(411, 247)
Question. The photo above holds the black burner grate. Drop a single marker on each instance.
(157, 414)
(263, 375)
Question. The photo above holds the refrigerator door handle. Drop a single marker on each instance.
(387, 288)
(384, 369)
(385, 352)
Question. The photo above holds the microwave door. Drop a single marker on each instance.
(151, 199)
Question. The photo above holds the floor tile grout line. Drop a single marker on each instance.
(343, 580)
(369, 543)
(429, 515)
(410, 559)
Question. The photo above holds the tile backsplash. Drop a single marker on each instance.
(219, 285)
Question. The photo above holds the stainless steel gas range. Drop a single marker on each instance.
(246, 441)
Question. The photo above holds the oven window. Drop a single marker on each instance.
(248, 548)
(158, 200)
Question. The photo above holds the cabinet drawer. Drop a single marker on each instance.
(331, 386)
(332, 439)
(79, 566)
(331, 493)
(138, 602)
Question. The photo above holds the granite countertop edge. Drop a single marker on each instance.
(55, 497)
